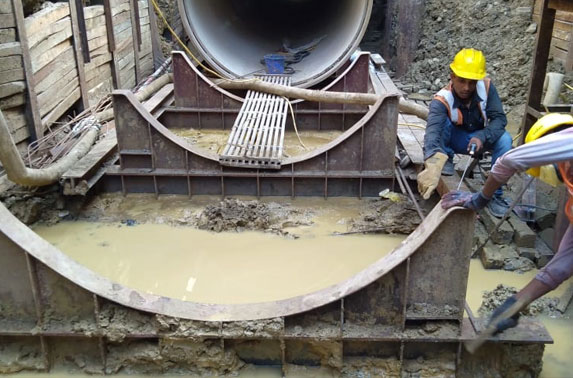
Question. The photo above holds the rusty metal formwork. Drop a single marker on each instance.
(405, 308)
(360, 162)
(401, 308)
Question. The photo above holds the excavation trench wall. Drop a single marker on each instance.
(63, 56)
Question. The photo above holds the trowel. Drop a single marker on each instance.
(473, 148)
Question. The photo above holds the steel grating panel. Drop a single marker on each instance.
(257, 137)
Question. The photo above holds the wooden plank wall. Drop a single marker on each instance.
(56, 82)
(12, 77)
(562, 30)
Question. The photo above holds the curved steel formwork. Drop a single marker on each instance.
(402, 312)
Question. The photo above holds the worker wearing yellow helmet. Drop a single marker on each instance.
(465, 114)
(549, 143)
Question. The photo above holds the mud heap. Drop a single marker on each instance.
(502, 29)
(236, 215)
(388, 216)
(494, 298)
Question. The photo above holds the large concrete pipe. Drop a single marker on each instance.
(234, 35)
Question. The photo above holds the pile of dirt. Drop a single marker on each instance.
(502, 29)
(237, 215)
(388, 217)
(494, 298)
(30, 206)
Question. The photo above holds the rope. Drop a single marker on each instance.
(294, 122)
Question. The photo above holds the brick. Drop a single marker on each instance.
(544, 253)
(503, 235)
(494, 256)
(528, 253)
(523, 236)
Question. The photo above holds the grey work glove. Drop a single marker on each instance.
(473, 201)
(503, 324)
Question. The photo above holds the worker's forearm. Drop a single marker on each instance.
(490, 186)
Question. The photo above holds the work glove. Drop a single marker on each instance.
(472, 201)
(429, 178)
(503, 324)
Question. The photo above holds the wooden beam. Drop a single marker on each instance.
(562, 5)
(107, 10)
(32, 110)
(158, 57)
(136, 36)
(569, 61)
(78, 51)
(540, 57)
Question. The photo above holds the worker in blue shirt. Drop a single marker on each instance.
(468, 111)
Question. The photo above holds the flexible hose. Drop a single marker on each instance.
(20, 174)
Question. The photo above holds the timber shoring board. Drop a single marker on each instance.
(35, 128)
(411, 131)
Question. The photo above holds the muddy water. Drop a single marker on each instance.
(558, 357)
(226, 268)
(215, 140)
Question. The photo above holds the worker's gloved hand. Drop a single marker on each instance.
(503, 324)
(429, 178)
(472, 201)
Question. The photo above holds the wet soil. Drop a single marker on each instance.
(494, 298)
(388, 216)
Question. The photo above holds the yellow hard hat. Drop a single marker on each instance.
(469, 64)
(540, 128)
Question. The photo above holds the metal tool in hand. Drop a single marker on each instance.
(473, 148)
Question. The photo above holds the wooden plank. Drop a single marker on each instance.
(49, 99)
(54, 95)
(93, 11)
(120, 26)
(11, 75)
(16, 118)
(118, 9)
(53, 28)
(539, 68)
(558, 54)
(47, 44)
(11, 48)
(57, 75)
(96, 32)
(562, 5)
(49, 56)
(98, 61)
(96, 43)
(155, 45)
(63, 58)
(11, 62)
(61, 108)
(136, 38)
(111, 42)
(12, 88)
(100, 73)
(54, 102)
(95, 22)
(7, 20)
(5, 6)
(102, 50)
(20, 134)
(12, 101)
(80, 44)
(41, 20)
(7, 35)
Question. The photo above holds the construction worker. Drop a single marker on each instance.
(548, 148)
(466, 113)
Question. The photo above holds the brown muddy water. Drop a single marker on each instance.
(558, 357)
(215, 140)
(228, 267)
(163, 254)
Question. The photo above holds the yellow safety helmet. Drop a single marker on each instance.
(469, 64)
(543, 126)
